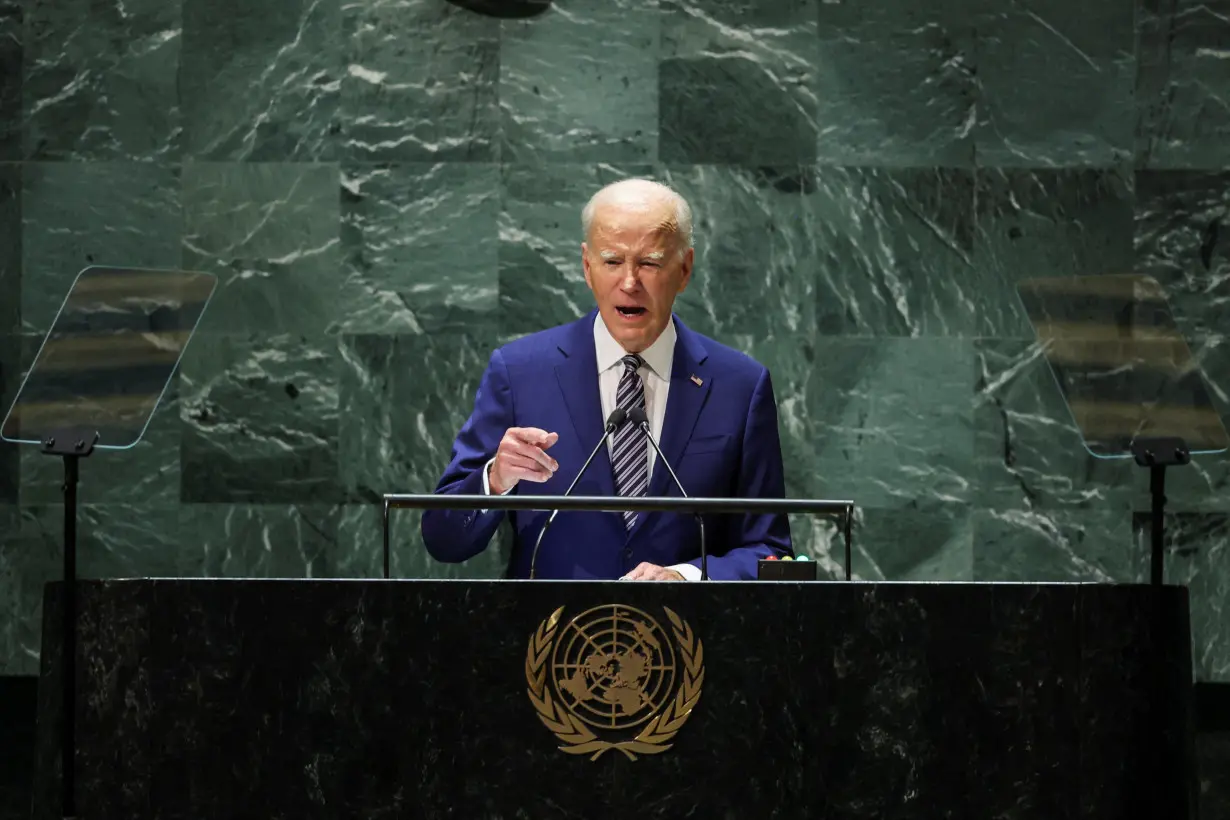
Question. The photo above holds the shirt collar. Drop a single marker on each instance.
(658, 356)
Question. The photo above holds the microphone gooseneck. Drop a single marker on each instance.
(637, 416)
(613, 423)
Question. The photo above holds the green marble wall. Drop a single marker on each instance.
(388, 188)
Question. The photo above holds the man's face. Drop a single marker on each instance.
(633, 265)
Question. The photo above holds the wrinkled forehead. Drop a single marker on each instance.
(646, 226)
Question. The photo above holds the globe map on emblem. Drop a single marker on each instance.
(613, 667)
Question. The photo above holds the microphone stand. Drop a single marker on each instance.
(700, 521)
(612, 424)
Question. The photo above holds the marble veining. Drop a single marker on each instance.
(419, 82)
(100, 81)
(1057, 82)
(260, 420)
(897, 253)
(1046, 222)
(1182, 76)
(1182, 239)
(92, 213)
(736, 82)
(579, 83)
(916, 99)
(261, 83)
(420, 248)
(270, 232)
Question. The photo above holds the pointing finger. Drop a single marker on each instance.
(535, 436)
(534, 453)
(527, 468)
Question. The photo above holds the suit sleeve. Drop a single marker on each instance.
(760, 476)
(454, 536)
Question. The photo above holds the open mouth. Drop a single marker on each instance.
(631, 312)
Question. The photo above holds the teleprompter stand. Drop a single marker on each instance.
(1158, 454)
(72, 445)
(1128, 378)
(99, 375)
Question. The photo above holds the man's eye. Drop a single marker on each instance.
(610, 263)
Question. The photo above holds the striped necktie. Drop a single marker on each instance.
(630, 456)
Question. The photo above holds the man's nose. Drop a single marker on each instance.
(630, 280)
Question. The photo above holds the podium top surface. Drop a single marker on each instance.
(828, 585)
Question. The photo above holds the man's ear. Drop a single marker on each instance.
(585, 265)
(688, 257)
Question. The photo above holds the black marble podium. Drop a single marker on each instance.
(414, 699)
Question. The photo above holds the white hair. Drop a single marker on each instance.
(683, 212)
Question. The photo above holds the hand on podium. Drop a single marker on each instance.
(652, 572)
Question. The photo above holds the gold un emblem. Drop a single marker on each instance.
(613, 678)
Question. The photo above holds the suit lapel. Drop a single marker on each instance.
(578, 382)
(683, 405)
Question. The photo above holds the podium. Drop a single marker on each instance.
(511, 699)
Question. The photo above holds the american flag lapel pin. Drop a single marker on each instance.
(697, 380)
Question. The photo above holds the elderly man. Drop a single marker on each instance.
(543, 400)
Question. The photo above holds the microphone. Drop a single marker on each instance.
(613, 423)
(637, 416)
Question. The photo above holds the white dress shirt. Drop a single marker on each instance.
(655, 372)
(655, 375)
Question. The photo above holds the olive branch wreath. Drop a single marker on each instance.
(577, 738)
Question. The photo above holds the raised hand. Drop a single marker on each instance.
(522, 457)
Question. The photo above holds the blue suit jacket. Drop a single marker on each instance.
(720, 436)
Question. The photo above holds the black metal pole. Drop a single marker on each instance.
(704, 551)
(69, 643)
(1157, 488)
(386, 539)
(72, 445)
(547, 503)
(846, 527)
(1157, 454)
